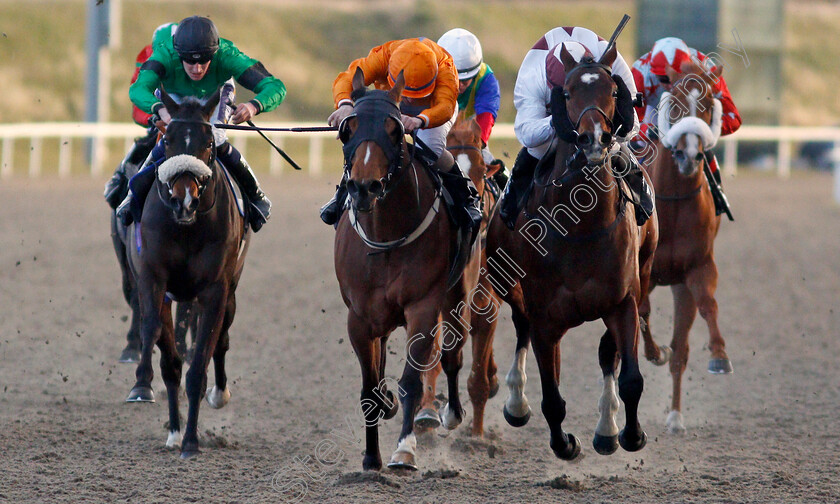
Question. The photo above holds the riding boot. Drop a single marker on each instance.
(464, 195)
(131, 208)
(116, 187)
(719, 198)
(520, 179)
(247, 181)
(331, 212)
(632, 174)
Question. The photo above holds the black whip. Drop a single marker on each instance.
(616, 33)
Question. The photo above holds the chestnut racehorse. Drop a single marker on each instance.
(472, 306)
(393, 250)
(689, 123)
(193, 247)
(583, 257)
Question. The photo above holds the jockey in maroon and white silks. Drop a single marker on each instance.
(542, 70)
(649, 74)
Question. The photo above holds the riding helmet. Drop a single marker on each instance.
(196, 39)
(465, 50)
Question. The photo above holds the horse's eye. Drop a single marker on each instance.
(615, 94)
(566, 95)
(166, 141)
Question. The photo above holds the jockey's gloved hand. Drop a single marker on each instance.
(339, 115)
(563, 126)
(624, 113)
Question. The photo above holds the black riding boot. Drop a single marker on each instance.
(641, 192)
(116, 187)
(131, 208)
(247, 181)
(520, 179)
(719, 198)
(464, 194)
(331, 212)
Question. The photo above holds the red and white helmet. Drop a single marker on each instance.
(668, 52)
(465, 50)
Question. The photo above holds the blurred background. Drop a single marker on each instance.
(788, 77)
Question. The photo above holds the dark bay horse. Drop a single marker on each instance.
(471, 307)
(393, 249)
(689, 123)
(583, 257)
(193, 247)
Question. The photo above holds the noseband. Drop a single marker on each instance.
(202, 185)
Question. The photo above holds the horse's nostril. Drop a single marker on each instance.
(698, 157)
(585, 139)
(606, 138)
(375, 187)
(679, 155)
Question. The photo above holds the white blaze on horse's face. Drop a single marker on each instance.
(367, 154)
(589, 78)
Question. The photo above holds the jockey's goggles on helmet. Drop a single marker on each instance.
(664, 79)
(196, 58)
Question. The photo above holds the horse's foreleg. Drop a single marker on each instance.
(219, 395)
(131, 352)
(183, 323)
(482, 378)
(564, 445)
(657, 354)
(516, 410)
(151, 304)
(170, 370)
(685, 310)
(214, 303)
(606, 432)
(455, 327)
(367, 350)
(623, 323)
(428, 417)
(422, 326)
(702, 282)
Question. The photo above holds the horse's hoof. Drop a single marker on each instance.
(129, 356)
(371, 463)
(665, 354)
(189, 449)
(494, 388)
(450, 418)
(188, 454)
(402, 460)
(515, 421)
(632, 445)
(141, 394)
(572, 449)
(395, 406)
(174, 439)
(605, 445)
(427, 418)
(720, 366)
(217, 398)
(675, 423)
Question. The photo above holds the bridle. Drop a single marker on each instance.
(200, 182)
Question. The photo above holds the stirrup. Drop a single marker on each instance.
(123, 211)
(259, 213)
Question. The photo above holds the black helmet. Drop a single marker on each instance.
(196, 39)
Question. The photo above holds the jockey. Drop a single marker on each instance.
(649, 73)
(116, 187)
(478, 89)
(541, 71)
(191, 60)
(429, 106)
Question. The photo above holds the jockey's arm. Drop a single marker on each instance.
(374, 67)
(487, 101)
(530, 97)
(731, 119)
(252, 75)
(639, 80)
(621, 69)
(445, 95)
(142, 92)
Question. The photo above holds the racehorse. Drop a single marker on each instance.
(582, 257)
(193, 247)
(471, 306)
(689, 123)
(393, 249)
(122, 237)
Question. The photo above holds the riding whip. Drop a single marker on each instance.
(616, 33)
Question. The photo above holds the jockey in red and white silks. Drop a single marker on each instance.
(649, 74)
(542, 70)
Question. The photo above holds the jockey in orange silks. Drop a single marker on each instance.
(650, 76)
(429, 108)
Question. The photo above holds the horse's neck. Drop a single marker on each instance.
(586, 199)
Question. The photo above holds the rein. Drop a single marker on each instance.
(681, 197)
(201, 187)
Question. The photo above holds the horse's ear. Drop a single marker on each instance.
(608, 58)
(358, 79)
(399, 85)
(170, 104)
(212, 102)
(568, 60)
(672, 74)
(716, 73)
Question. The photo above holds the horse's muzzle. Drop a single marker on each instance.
(184, 210)
(595, 149)
(363, 193)
(687, 165)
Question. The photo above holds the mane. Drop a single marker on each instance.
(182, 163)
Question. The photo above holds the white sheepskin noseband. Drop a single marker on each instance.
(709, 134)
(181, 163)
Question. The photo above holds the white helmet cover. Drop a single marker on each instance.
(465, 50)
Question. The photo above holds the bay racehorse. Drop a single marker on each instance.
(472, 306)
(123, 237)
(393, 253)
(688, 123)
(582, 257)
(193, 247)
